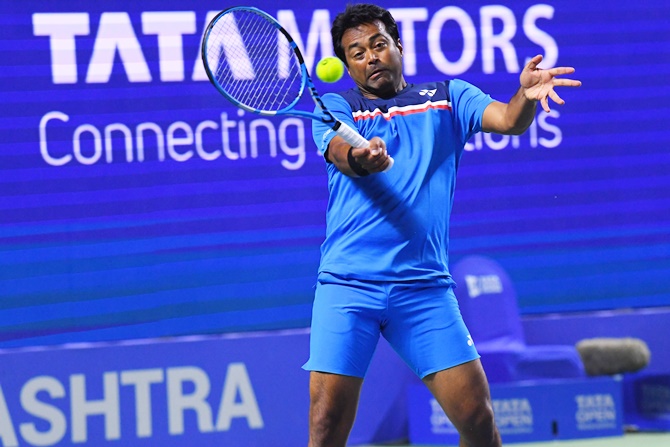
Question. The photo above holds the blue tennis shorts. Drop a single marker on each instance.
(420, 319)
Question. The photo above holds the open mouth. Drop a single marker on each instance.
(377, 74)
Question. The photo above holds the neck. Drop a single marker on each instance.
(385, 93)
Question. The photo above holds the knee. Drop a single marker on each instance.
(475, 423)
(332, 409)
(325, 418)
(329, 425)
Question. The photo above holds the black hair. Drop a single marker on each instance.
(356, 15)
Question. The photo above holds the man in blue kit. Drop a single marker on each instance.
(384, 265)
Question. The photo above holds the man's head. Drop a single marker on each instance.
(365, 38)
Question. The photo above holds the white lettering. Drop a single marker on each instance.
(97, 144)
(179, 401)
(489, 139)
(52, 415)
(318, 35)
(116, 34)
(82, 408)
(139, 137)
(554, 130)
(182, 141)
(128, 140)
(173, 141)
(467, 27)
(186, 390)
(233, 46)
(253, 134)
(7, 433)
(503, 41)
(199, 73)
(43, 139)
(62, 29)
(540, 37)
(238, 383)
(209, 156)
(141, 381)
(550, 137)
(298, 150)
(225, 138)
(406, 17)
(169, 27)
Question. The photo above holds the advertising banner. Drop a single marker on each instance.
(136, 202)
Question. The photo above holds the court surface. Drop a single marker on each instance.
(628, 440)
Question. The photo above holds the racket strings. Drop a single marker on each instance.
(254, 63)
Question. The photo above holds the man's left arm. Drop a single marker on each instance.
(514, 117)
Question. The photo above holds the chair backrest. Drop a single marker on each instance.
(488, 302)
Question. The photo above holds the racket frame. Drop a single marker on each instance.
(342, 129)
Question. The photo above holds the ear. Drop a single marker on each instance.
(399, 45)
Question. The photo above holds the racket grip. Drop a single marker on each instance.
(356, 140)
(351, 136)
(391, 161)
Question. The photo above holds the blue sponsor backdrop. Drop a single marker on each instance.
(135, 202)
(205, 391)
(529, 411)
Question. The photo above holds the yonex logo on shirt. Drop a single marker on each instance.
(425, 92)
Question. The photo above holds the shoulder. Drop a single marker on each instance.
(458, 86)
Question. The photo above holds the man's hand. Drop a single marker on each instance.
(538, 84)
(373, 158)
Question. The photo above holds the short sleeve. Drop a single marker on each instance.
(468, 103)
(340, 108)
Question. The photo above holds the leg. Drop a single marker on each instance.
(334, 400)
(463, 394)
(345, 331)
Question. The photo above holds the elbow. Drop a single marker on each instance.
(517, 130)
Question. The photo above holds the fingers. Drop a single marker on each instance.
(557, 71)
(374, 158)
(377, 160)
(557, 99)
(534, 62)
(545, 104)
(562, 82)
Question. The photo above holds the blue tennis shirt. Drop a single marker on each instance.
(394, 226)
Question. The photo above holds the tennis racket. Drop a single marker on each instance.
(255, 63)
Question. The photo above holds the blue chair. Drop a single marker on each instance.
(488, 303)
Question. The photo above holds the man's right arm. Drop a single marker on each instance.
(358, 162)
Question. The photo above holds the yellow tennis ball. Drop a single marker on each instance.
(330, 69)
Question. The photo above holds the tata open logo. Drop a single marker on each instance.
(513, 416)
(483, 285)
(595, 411)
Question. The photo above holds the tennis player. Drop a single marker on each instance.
(384, 261)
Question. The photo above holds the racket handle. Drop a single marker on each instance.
(350, 135)
(356, 140)
(391, 161)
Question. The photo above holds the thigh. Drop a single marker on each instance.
(426, 328)
(334, 392)
(460, 388)
(463, 393)
(345, 326)
(333, 404)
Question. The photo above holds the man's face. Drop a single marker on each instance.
(374, 60)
